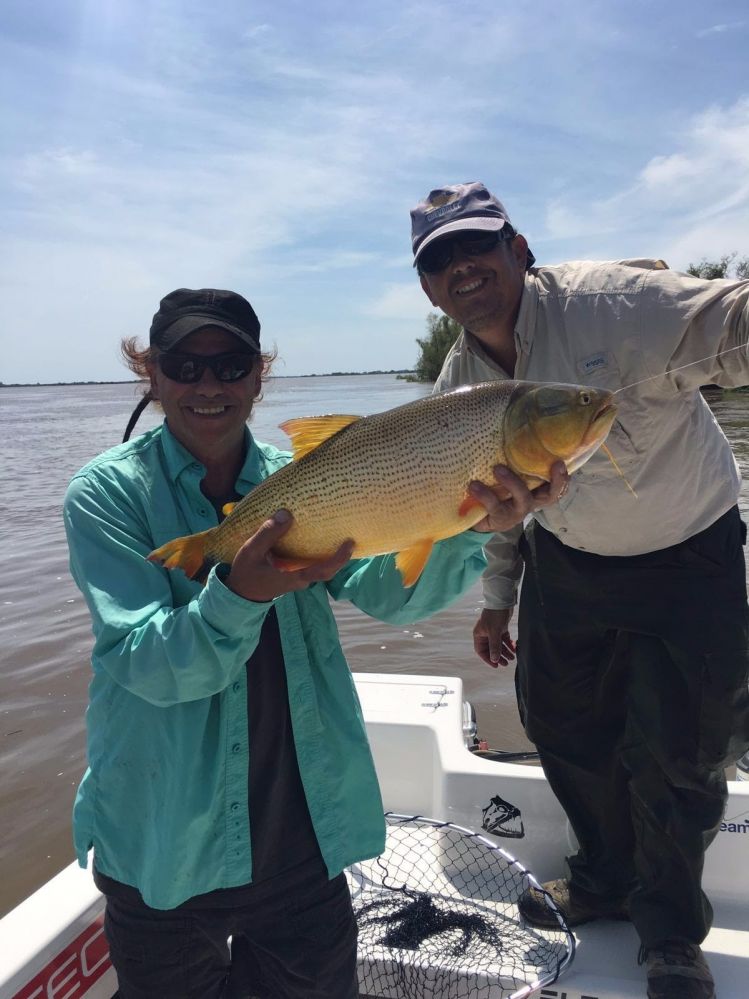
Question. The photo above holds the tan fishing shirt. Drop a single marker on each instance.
(613, 324)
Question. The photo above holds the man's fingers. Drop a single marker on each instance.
(481, 648)
(553, 490)
(515, 495)
(329, 567)
(270, 531)
(518, 493)
(491, 637)
(502, 513)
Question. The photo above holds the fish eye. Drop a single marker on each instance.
(585, 398)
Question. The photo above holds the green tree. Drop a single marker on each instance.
(712, 269)
(442, 332)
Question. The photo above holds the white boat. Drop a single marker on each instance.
(52, 945)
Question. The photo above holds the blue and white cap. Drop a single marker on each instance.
(457, 208)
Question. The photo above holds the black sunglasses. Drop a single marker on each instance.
(438, 255)
(190, 368)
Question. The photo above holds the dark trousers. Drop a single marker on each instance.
(632, 683)
(299, 944)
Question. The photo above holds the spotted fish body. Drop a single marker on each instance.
(397, 481)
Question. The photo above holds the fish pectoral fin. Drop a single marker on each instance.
(309, 432)
(534, 481)
(227, 508)
(468, 504)
(290, 564)
(411, 561)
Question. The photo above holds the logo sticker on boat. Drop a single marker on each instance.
(502, 819)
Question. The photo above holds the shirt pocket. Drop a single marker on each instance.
(627, 437)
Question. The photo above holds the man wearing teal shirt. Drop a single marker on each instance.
(230, 780)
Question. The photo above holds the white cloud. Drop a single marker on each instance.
(280, 151)
(721, 29)
(257, 30)
(405, 302)
(42, 166)
(689, 198)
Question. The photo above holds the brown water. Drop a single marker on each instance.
(47, 434)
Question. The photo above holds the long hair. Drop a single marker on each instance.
(140, 360)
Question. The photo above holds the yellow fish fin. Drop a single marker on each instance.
(468, 504)
(309, 432)
(189, 554)
(227, 508)
(291, 564)
(411, 561)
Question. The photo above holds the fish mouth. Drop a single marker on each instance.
(605, 413)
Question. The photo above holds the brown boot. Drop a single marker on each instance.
(575, 905)
(677, 970)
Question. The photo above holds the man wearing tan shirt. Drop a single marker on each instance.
(633, 625)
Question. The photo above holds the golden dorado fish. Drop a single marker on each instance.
(397, 481)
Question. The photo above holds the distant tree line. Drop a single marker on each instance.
(442, 331)
(728, 266)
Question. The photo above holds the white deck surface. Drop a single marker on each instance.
(415, 727)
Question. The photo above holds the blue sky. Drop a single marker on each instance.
(276, 148)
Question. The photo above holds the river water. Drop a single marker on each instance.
(48, 432)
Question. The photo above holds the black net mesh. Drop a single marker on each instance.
(438, 918)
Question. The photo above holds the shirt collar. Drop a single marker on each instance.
(179, 459)
(523, 326)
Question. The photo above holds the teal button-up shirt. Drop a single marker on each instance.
(164, 802)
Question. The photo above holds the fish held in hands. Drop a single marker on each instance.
(397, 481)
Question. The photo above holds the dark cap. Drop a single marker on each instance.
(457, 208)
(185, 310)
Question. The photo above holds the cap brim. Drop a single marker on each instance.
(480, 223)
(183, 327)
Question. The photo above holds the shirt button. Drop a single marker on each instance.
(202, 511)
(234, 806)
(562, 530)
(235, 686)
(236, 747)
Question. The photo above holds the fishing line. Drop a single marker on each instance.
(681, 367)
(663, 374)
(611, 458)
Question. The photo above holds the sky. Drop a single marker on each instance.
(276, 148)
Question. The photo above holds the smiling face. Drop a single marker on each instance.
(208, 417)
(482, 292)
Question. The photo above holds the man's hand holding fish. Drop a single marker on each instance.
(505, 511)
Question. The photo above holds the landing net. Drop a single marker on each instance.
(438, 918)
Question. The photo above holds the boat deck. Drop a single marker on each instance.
(53, 945)
(415, 726)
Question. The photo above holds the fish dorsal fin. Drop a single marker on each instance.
(227, 508)
(309, 432)
(411, 561)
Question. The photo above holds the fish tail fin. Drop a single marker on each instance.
(190, 553)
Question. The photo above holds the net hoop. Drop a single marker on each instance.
(438, 918)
